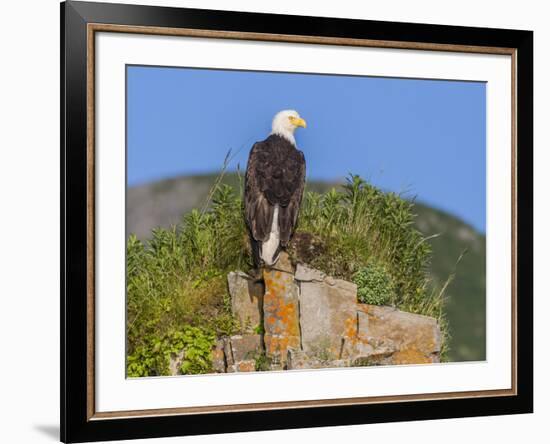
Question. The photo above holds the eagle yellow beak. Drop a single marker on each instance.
(297, 121)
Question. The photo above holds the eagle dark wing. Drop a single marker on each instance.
(257, 209)
(275, 175)
(295, 181)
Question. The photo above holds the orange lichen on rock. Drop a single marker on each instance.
(246, 366)
(410, 356)
(276, 346)
(281, 317)
(350, 329)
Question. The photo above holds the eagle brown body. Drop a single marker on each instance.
(274, 185)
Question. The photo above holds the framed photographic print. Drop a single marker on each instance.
(275, 221)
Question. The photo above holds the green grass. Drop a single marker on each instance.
(176, 281)
(178, 277)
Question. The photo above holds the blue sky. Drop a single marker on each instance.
(423, 137)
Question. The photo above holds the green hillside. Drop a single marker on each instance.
(466, 293)
(163, 203)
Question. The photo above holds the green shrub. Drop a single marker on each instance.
(198, 346)
(374, 285)
(152, 358)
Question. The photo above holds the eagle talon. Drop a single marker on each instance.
(256, 275)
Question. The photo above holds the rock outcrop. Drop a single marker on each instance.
(237, 353)
(328, 313)
(281, 314)
(311, 320)
(246, 299)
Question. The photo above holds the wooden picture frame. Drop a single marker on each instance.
(80, 421)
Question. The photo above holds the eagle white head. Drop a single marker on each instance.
(285, 123)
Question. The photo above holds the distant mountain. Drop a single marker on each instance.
(163, 203)
(466, 293)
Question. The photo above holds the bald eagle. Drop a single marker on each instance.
(274, 184)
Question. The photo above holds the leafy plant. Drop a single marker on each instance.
(153, 357)
(259, 329)
(197, 345)
(262, 363)
(374, 285)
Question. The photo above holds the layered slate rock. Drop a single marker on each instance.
(237, 353)
(280, 312)
(246, 299)
(300, 360)
(396, 337)
(175, 363)
(241, 351)
(312, 321)
(328, 309)
(219, 364)
(244, 347)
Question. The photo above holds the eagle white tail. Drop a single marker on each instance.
(270, 247)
